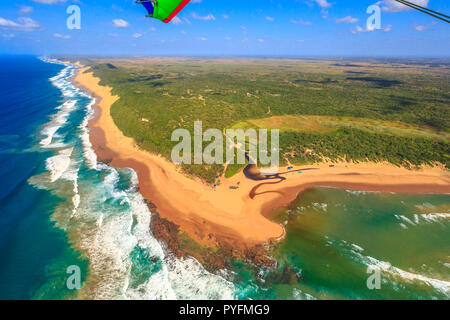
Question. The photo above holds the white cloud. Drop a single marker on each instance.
(228, 38)
(388, 28)
(270, 19)
(260, 40)
(49, 1)
(23, 24)
(202, 38)
(117, 8)
(359, 29)
(61, 36)
(209, 17)
(137, 35)
(25, 10)
(304, 23)
(225, 16)
(176, 20)
(8, 23)
(120, 23)
(8, 35)
(347, 19)
(323, 3)
(394, 6)
(419, 27)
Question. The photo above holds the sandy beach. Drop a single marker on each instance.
(208, 214)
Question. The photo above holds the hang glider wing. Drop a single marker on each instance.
(164, 10)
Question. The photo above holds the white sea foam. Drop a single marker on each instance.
(57, 121)
(361, 192)
(178, 278)
(191, 281)
(357, 247)
(440, 285)
(110, 245)
(110, 182)
(435, 217)
(299, 295)
(404, 219)
(427, 218)
(61, 165)
(426, 206)
(58, 164)
(76, 196)
(76, 202)
(320, 206)
(91, 157)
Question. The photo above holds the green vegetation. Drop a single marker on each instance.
(361, 110)
(232, 169)
(324, 124)
(358, 145)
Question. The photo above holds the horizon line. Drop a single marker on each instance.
(306, 57)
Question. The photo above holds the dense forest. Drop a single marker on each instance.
(159, 95)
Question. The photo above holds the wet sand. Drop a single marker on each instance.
(208, 214)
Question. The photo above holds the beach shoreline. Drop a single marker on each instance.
(213, 216)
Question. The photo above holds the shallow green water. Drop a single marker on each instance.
(334, 236)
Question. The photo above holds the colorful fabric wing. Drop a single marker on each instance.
(164, 10)
(149, 6)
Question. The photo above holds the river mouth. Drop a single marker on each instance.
(252, 172)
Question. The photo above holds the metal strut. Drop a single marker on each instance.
(430, 12)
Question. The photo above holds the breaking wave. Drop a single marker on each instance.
(355, 252)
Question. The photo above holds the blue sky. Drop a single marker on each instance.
(225, 27)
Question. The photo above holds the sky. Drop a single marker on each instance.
(301, 28)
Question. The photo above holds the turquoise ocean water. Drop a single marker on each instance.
(59, 207)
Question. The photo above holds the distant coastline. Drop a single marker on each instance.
(214, 216)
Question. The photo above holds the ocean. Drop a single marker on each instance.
(61, 208)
